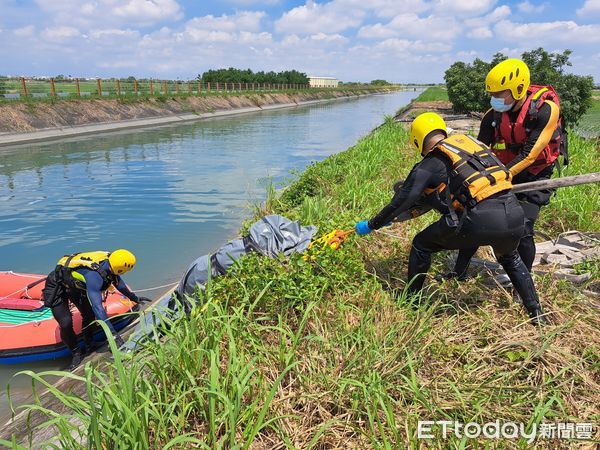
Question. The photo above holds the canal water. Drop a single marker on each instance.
(168, 194)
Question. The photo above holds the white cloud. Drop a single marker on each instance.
(22, 32)
(410, 25)
(107, 12)
(240, 21)
(386, 8)
(529, 8)
(406, 47)
(463, 7)
(480, 26)
(590, 7)
(60, 34)
(113, 35)
(548, 33)
(312, 17)
(480, 33)
(148, 10)
(329, 38)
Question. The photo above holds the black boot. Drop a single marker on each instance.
(77, 359)
(537, 314)
(523, 284)
(91, 346)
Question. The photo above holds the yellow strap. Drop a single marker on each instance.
(539, 93)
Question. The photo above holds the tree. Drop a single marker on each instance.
(466, 82)
(233, 75)
(2, 84)
(380, 83)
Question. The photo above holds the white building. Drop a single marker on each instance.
(323, 82)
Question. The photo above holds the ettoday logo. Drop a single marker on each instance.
(436, 429)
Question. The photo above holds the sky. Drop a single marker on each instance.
(352, 40)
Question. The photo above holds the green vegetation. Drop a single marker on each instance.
(466, 82)
(589, 125)
(329, 354)
(233, 75)
(380, 83)
(432, 94)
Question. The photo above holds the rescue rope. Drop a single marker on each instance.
(157, 287)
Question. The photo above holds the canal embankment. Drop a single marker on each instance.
(329, 352)
(26, 122)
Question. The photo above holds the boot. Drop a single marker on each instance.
(76, 359)
(537, 315)
(91, 346)
(523, 284)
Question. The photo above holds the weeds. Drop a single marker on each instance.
(285, 353)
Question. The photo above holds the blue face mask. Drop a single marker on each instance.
(498, 104)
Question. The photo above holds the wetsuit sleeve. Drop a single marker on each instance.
(539, 137)
(123, 289)
(93, 283)
(428, 173)
(486, 128)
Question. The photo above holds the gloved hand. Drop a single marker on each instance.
(140, 300)
(362, 228)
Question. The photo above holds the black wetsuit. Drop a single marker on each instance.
(496, 221)
(531, 202)
(87, 298)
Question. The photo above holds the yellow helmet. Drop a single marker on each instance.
(121, 261)
(423, 125)
(509, 74)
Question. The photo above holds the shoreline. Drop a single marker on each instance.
(57, 133)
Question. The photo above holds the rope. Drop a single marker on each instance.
(157, 287)
(387, 234)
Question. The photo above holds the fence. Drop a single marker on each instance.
(26, 88)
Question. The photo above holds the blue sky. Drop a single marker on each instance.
(403, 41)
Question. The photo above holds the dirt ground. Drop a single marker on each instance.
(33, 116)
(461, 123)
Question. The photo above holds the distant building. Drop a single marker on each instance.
(326, 82)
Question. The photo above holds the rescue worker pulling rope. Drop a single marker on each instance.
(479, 207)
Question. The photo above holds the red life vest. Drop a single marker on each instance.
(509, 138)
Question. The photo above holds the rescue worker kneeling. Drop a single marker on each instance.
(82, 278)
(481, 210)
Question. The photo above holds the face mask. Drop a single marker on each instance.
(498, 104)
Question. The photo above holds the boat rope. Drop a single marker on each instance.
(157, 287)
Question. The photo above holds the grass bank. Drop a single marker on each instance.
(589, 125)
(284, 353)
(432, 94)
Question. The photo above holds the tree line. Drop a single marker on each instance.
(233, 75)
(466, 82)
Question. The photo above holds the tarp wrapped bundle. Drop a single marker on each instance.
(271, 236)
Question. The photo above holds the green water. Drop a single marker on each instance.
(168, 194)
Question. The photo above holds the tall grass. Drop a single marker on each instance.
(285, 353)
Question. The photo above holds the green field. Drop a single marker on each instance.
(432, 94)
(589, 125)
(285, 353)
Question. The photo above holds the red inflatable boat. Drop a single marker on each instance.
(28, 332)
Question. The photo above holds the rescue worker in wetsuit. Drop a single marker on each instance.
(524, 130)
(481, 210)
(81, 279)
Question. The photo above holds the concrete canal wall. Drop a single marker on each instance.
(22, 123)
